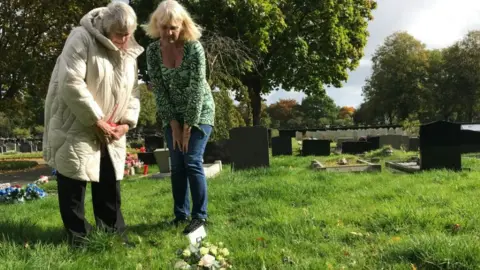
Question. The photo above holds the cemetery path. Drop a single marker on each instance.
(26, 176)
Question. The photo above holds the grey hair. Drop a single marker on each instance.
(119, 17)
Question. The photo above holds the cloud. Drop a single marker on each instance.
(437, 23)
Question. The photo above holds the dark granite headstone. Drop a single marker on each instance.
(249, 147)
(470, 141)
(26, 147)
(147, 158)
(282, 146)
(374, 142)
(315, 148)
(153, 142)
(217, 150)
(39, 146)
(440, 146)
(355, 148)
(414, 144)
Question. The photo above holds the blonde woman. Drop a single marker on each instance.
(176, 67)
(91, 104)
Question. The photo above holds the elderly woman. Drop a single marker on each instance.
(91, 104)
(176, 67)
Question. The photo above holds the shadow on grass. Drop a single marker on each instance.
(27, 231)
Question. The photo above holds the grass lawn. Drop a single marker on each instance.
(9, 165)
(17, 155)
(285, 217)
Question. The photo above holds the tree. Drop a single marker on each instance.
(282, 111)
(399, 77)
(462, 78)
(148, 108)
(226, 116)
(298, 45)
(32, 34)
(318, 110)
(346, 112)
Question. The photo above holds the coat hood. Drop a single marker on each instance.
(92, 22)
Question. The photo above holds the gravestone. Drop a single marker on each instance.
(147, 158)
(470, 140)
(162, 156)
(11, 146)
(3, 149)
(26, 147)
(217, 150)
(249, 147)
(316, 148)
(414, 144)
(374, 142)
(341, 140)
(355, 148)
(153, 142)
(395, 141)
(440, 146)
(40, 146)
(282, 146)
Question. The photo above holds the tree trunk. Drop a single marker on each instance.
(256, 105)
(254, 89)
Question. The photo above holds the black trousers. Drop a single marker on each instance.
(105, 197)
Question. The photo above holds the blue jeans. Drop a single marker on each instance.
(187, 171)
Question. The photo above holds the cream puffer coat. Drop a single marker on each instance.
(91, 77)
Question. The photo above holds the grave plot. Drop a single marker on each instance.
(411, 165)
(211, 170)
(346, 165)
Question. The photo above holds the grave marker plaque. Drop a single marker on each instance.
(249, 147)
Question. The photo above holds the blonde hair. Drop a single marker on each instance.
(119, 16)
(172, 11)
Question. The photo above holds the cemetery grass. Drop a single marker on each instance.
(285, 217)
(10, 165)
(17, 155)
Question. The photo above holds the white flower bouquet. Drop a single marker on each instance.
(204, 255)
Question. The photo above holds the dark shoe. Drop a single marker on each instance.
(194, 224)
(178, 221)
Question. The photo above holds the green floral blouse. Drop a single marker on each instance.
(182, 93)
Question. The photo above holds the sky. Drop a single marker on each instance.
(436, 23)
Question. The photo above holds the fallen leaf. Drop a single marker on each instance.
(413, 266)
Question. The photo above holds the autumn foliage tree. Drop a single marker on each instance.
(346, 112)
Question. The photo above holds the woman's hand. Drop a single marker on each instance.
(176, 134)
(186, 137)
(105, 132)
(121, 130)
